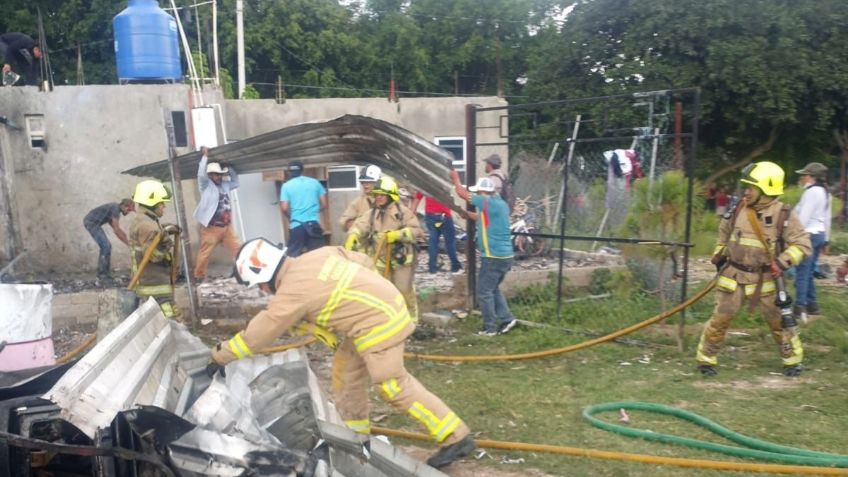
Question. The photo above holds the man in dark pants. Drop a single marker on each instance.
(20, 55)
(94, 222)
(301, 200)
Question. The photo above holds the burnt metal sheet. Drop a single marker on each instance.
(350, 139)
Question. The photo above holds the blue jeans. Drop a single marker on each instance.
(805, 286)
(105, 258)
(304, 238)
(493, 304)
(446, 230)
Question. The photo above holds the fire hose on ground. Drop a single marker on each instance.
(791, 460)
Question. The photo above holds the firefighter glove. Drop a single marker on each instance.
(171, 229)
(718, 261)
(213, 368)
(352, 241)
(320, 333)
(393, 236)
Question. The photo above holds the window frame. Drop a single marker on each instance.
(346, 167)
(461, 166)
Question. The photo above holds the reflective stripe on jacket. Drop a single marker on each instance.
(330, 287)
(741, 244)
(394, 216)
(156, 279)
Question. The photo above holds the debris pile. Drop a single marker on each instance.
(141, 403)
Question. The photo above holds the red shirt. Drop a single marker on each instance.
(433, 206)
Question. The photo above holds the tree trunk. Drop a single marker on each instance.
(756, 152)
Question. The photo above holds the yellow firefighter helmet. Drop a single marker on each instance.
(386, 186)
(767, 176)
(149, 193)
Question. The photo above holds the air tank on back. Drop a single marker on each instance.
(146, 45)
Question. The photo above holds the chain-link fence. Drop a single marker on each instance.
(604, 195)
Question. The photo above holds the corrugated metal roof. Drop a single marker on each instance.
(350, 139)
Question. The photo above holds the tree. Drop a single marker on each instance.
(766, 87)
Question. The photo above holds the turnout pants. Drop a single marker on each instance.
(210, 237)
(352, 374)
(727, 305)
(403, 280)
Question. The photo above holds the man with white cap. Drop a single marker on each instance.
(214, 211)
(495, 245)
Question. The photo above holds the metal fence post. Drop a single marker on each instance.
(471, 226)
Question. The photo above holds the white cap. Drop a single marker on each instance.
(484, 184)
(215, 168)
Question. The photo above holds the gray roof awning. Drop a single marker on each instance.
(349, 139)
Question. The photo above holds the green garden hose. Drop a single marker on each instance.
(754, 448)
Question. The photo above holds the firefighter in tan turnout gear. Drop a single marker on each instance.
(332, 290)
(153, 277)
(758, 240)
(362, 204)
(388, 233)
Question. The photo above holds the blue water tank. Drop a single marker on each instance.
(146, 44)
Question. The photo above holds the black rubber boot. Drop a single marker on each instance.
(447, 455)
(792, 371)
(707, 370)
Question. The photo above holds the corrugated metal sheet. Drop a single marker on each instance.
(266, 415)
(349, 139)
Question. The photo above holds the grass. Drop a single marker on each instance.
(541, 401)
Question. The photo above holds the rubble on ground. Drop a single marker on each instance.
(143, 399)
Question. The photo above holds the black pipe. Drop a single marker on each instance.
(605, 239)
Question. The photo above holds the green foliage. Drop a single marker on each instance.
(250, 92)
(599, 281)
(838, 243)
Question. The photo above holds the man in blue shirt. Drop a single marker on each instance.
(495, 245)
(302, 199)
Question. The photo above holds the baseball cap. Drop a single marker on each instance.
(815, 169)
(484, 184)
(296, 166)
(494, 160)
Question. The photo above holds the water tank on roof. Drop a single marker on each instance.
(146, 44)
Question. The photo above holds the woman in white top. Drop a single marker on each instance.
(814, 211)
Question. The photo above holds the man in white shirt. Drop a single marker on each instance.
(814, 212)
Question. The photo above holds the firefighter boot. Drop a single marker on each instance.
(707, 370)
(792, 371)
(448, 454)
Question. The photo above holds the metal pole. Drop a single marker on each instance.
(240, 45)
(561, 207)
(215, 40)
(179, 207)
(471, 229)
(691, 159)
(653, 160)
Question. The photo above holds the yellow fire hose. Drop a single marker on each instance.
(628, 457)
(145, 260)
(76, 351)
(575, 347)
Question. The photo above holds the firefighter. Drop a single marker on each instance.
(332, 290)
(747, 269)
(389, 233)
(156, 279)
(362, 204)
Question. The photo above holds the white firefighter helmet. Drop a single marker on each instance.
(370, 174)
(258, 261)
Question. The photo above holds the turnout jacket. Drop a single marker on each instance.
(143, 230)
(330, 287)
(746, 254)
(394, 216)
(356, 209)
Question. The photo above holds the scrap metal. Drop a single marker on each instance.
(349, 139)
